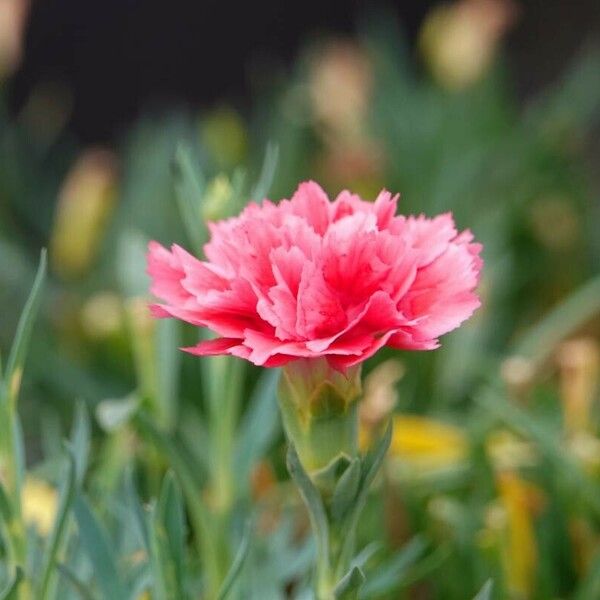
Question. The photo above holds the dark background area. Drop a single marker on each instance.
(117, 57)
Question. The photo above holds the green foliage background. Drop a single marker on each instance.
(170, 470)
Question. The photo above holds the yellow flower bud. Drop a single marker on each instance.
(85, 203)
(458, 41)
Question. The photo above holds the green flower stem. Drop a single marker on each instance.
(319, 408)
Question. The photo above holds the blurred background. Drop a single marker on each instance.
(123, 121)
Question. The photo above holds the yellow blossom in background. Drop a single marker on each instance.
(508, 451)
(85, 203)
(340, 85)
(422, 446)
(458, 41)
(224, 134)
(585, 447)
(578, 363)
(13, 17)
(518, 373)
(102, 315)
(39, 504)
(520, 501)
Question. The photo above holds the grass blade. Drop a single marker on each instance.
(16, 358)
(236, 566)
(57, 540)
(96, 545)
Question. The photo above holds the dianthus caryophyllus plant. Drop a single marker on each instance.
(317, 287)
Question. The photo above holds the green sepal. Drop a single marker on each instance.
(327, 478)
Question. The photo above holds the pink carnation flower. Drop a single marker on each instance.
(310, 278)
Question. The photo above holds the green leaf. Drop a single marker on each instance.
(99, 551)
(131, 264)
(265, 180)
(539, 341)
(236, 566)
(5, 507)
(138, 510)
(82, 589)
(314, 504)
(189, 186)
(168, 360)
(492, 399)
(159, 555)
(171, 515)
(58, 538)
(199, 515)
(80, 440)
(259, 426)
(390, 575)
(361, 559)
(346, 490)
(485, 593)
(16, 358)
(349, 586)
(111, 413)
(10, 591)
(370, 466)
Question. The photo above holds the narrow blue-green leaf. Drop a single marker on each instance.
(189, 186)
(349, 586)
(80, 440)
(267, 173)
(80, 588)
(199, 515)
(159, 555)
(95, 543)
(58, 538)
(495, 402)
(369, 469)
(345, 491)
(11, 590)
(138, 511)
(172, 517)
(390, 575)
(16, 358)
(259, 426)
(168, 359)
(131, 264)
(578, 308)
(236, 566)
(141, 584)
(485, 593)
(361, 559)
(314, 504)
